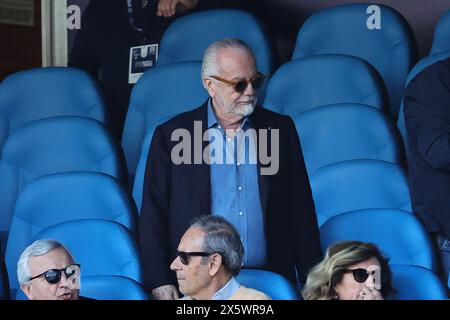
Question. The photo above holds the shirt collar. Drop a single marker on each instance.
(227, 291)
(212, 119)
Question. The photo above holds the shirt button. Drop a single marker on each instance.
(242, 240)
(239, 188)
(229, 139)
(238, 164)
(240, 213)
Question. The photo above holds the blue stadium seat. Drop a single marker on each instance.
(101, 247)
(419, 67)
(315, 81)
(441, 39)
(112, 288)
(47, 92)
(416, 283)
(53, 145)
(399, 234)
(187, 37)
(59, 198)
(160, 93)
(359, 184)
(272, 284)
(342, 132)
(344, 29)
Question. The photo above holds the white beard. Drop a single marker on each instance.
(245, 109)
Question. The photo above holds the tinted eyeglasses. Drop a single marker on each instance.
(241, 85)
(54, 275)
(360, 275)
(184, 256)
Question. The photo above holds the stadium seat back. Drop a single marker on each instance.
(416, 283)
(160, 93)
(441, 39)
(398, 234)
(47, 92)
(53, 145)
(314, 81)
(375, 33)
(359, 184)
(272, 284)
(343, 132)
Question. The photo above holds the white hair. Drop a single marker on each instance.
(210, 65)
(36, 249)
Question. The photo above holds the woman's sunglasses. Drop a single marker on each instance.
(241, 85)
(53, 276)
(360, 275)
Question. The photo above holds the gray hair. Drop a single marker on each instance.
(221, 237)
(210, 65)
(36, 249)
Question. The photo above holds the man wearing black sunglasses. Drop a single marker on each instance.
(47, 271)
(272, 210)
(209, 256)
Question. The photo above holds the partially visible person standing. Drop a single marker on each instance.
(351, 270)
(47, 271)
(109, 29)
(427, 118)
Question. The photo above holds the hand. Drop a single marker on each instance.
(168, 8)
(367, 293)
(167, 292)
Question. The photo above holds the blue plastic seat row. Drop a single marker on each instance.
(54, 145)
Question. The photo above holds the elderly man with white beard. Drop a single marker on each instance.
(247, 166)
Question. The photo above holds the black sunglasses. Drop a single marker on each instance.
(241, 85)
(54, 275)
(184, 256)
(360, 275)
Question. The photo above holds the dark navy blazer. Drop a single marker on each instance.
(427, 117)
(174, 194)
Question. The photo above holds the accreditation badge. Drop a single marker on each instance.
(142, 58)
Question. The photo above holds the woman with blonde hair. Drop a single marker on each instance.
(351, 270)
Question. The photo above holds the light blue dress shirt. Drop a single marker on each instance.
(227, 290)
(234, 186)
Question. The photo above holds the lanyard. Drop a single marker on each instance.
(130, 17)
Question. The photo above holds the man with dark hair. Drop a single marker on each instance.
(209, 256)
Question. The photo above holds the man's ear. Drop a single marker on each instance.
(26, 288)
(208, 84)
(215, 262)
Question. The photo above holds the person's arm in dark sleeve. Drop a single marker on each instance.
(153, 228)
(427, 115)
(305, 230)
(83, 55)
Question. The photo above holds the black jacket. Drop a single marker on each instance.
(427, 117)
(174, 194)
